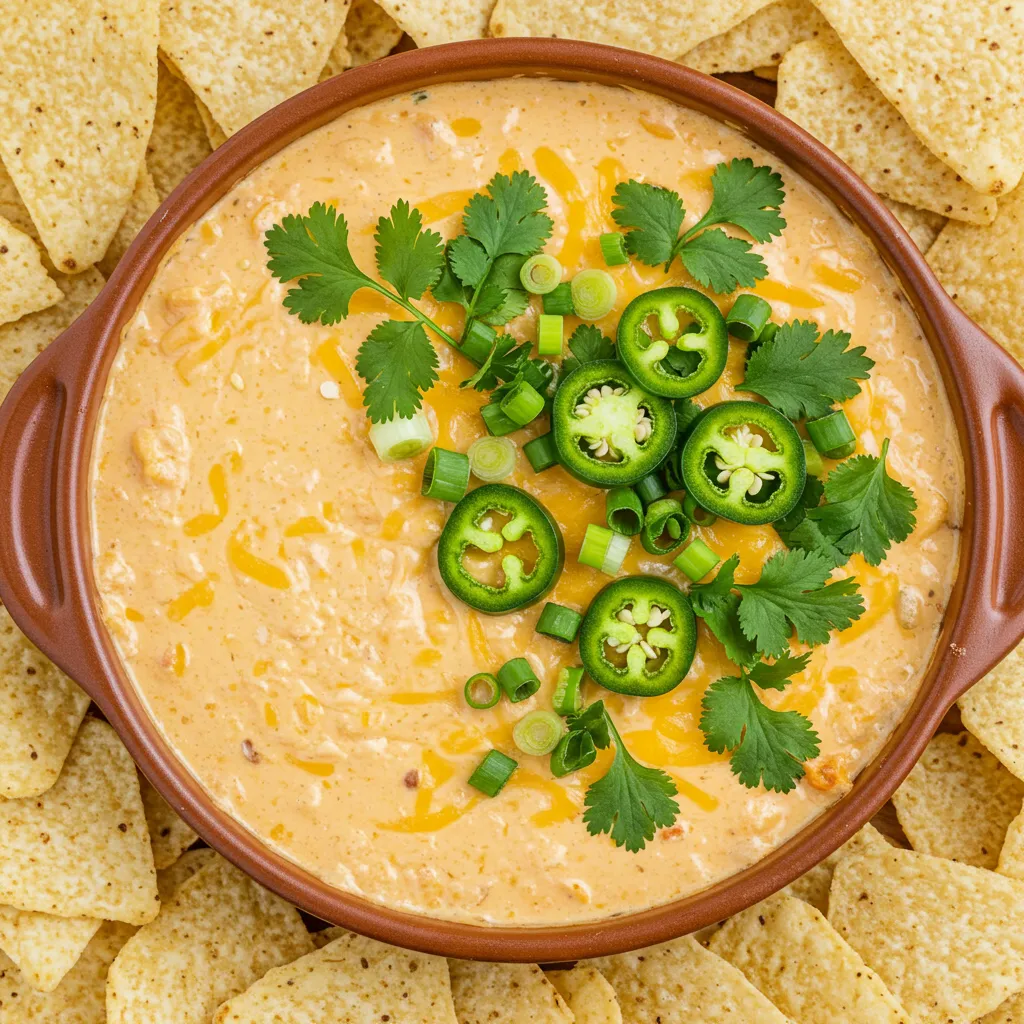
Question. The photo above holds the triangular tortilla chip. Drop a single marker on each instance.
(430, 22)
(505, 994)
(954, 70)
(587, 993)
(215, 135)
(321, 938)
(1011, 856)
(797, 959)
(25, 286)
(170, 836)
(170, 878)
(77, 97)
(946, 938)
(823, 90)
(923, 226)
(40, 707)
(13, 209)
(81, 849)
(178, 144)
(958, 801)
(1011, 1012)
(79, 999)
(681, 982)
(350, 979)
(760, 41)
(218, 934)
(662, 28)
(43, 947)
(245, 57)
(372, 32)
(143, 205)
(982, 268)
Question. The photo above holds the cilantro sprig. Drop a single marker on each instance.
(768, 747)
(587, 344)
(631, 800)
(792, 595)
(744, 196)
(803, 376)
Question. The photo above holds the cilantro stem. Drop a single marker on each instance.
(419, 314)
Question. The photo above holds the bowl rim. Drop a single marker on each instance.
(47, 426)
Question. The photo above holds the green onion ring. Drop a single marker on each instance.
(492, 459)
(568, 698)
(696, 560)
(478, 682)
(559, 622)
(593, 294)
(518, 680)
(538, 733)
(541, 274)
(445, 475)
(493, 772)
(623, 511)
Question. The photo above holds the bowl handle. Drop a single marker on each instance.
(993, 623)
(41, 583)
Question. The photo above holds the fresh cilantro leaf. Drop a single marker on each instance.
(865, 509)
(449, 288)
(803, 377)
(513, 303)
(468, 260)
(654, 214)
(748, 197)
(797, 531)
(407, 256)
(397, 362)
(777, 675)
(718, 605)
(505, 271)
(504, 361)
(313, 249)
(768, 747)
(594, 719)
(721, 262)
(632, 800)
(587, 344)
(791, 594)
(508, 218)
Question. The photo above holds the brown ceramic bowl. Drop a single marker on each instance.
(48, 422)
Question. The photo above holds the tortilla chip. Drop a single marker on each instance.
(321, 938)
(505, 994)
(13, 209)
(681, 982)
(44, 947)
(81, 849)
(589, 996)
(40, 708)
(372, 32)
(1011, 1012)
(169, 835)
(143, 205)
(1011, 856)
(954, 70)
(25, 286)
(73, 140)
(20, 342)
(242, 58)
(797, 959)
(823, 90)
(215, 135)
(79, 999)
(958, 801)
(769, 72)
(339, 59)
(218, 934)
(981, 269)
(169, 879)
(178, 144)
(947, 938)
(667, 30)
(763, 39)
(813, 886)
(429, 22)
(351, 978)
(923, 226)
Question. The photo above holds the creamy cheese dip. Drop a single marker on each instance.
(272, 586)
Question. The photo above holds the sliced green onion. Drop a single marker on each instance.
(559, 301)
(538, 733)
(575, 750)
(613, 249)
(623, 511)
(559, 622)
(538, 373)
(815, 467)
(401, 438)
(697, 514)
(665, 527)
(568, 697)
(478, 341)
(523, 403)
(593, 294)
(541, 274)
(518, 680)
(602, 549)
(496, 422)
(768, 333)
(651, 488)
(696, 560)
(549, 335)
(492, 458)
(493, 772)
(541, 452)
(832, 435)
(482, 691)
(445, 475)
(748, 316)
